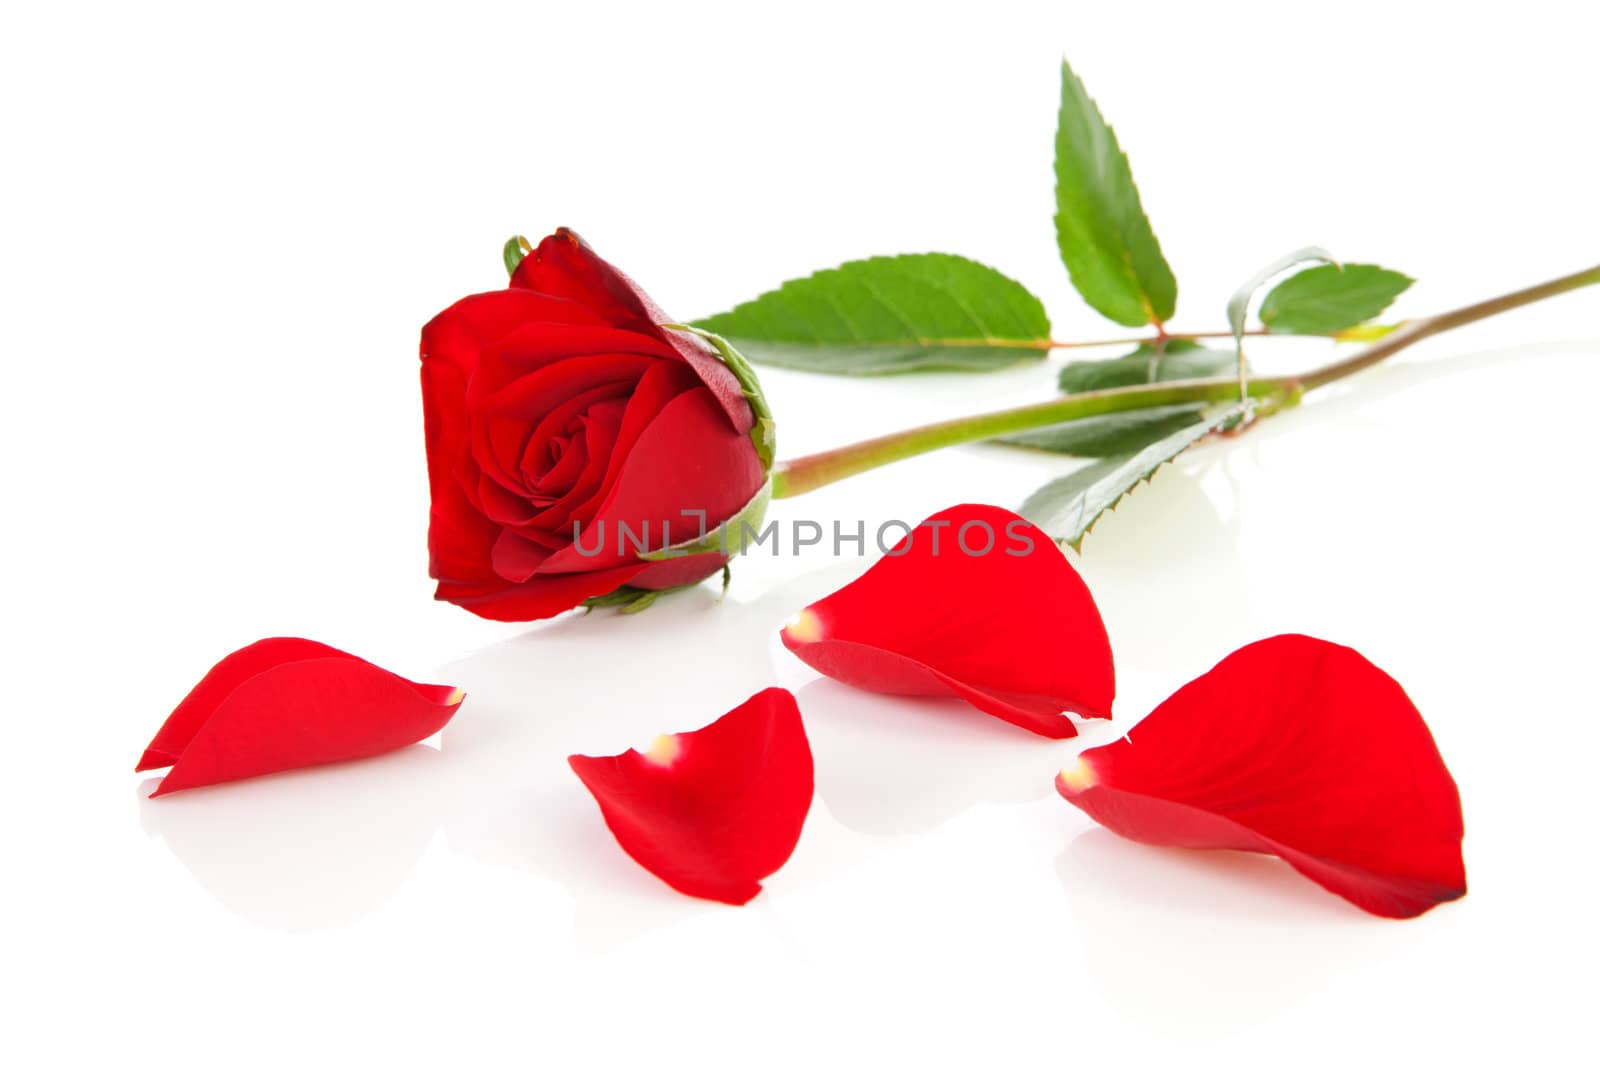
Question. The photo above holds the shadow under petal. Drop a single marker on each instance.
(305, 850)
(899, 765)
(554, 830)
(595, 685)
(605, 682)
(1204, 943)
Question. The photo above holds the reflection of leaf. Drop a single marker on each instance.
(1327, 299)
(1105, 238)
(890, 314)
(1068, 508)
(1128, 431)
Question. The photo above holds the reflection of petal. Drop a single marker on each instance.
(306, 850)
(603, 681)
(597, 683)
(549, 830)
(1202, 944)
(896, 765)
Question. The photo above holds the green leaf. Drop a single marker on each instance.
(1327, 299)
(1239, 302)
(1110, 435)
(1180, 360)
(1128, 431)
(1068, 508)
(891, 314)
(1105, 238)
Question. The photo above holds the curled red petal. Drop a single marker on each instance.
(563, 265)
(287, 702)
(459, 535)
(978, 603)
(711, 812)
(1297, 748)
(462, 330)
(658, 386)
(688, 472)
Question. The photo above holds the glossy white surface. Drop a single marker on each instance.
(223, 230)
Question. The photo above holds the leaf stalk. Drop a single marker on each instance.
(806, 473)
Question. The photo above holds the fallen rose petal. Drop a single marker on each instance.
(978, 603)
(711, 812)
(286, 702)
(1297, 748)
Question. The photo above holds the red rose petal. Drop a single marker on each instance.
(465, 328)
(541, 447)
(539, 599)
(602, 427)
(499, 439)
(711, 812)
(286, 702)
(535, 394)
(1016, 635)
(537, 344)
(564, 265)
(687, 459)
(515, 558)
(658, 386)
(1297, 748)
(459, 535)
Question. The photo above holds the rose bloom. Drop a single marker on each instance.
(564, 424)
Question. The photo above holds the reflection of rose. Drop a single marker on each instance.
(560, 404)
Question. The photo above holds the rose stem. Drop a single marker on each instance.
(796, 476)
(1047, 345)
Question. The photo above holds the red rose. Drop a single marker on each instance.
(566, 426)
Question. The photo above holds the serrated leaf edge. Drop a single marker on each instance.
(915, 340)
(1219, 420)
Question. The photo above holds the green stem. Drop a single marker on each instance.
(1415, 331)
(796, 476)
(1048, 344)
(1152, 339)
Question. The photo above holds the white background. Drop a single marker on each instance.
(223, 226)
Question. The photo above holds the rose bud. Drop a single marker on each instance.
(580, 448)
